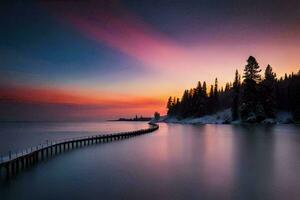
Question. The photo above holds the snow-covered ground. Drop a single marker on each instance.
(217, 118)
(224, 117)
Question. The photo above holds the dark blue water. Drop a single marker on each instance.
(175, 162)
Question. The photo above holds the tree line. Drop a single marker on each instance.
(251, 97)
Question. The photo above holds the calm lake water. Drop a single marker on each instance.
(175, 162)
(19, 136)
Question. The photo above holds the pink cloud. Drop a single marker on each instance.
(112, 25)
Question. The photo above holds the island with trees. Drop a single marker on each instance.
(135, 119)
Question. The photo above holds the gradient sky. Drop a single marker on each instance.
(73, 60)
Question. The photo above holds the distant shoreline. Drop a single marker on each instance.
(145, 119)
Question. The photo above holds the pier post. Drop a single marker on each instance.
(26, 161)
(51, 148)
(31, 159)
(17, 165)
(23, 162)
(36, 155)
(13, 166)
(42, 153)
(7, 169)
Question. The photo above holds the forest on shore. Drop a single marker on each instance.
(251, 96)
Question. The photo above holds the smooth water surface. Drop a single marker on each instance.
(175, 162)
(16, 136)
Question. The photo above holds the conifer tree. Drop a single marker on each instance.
(216, 96)
(236, 96)
(210, 100)
(183, 113)
(203, 100)
(268, 92)
(197, 99)
(169, 106)
(251, 110)
(204, 89)
(296, 109)
(227, 87)
(253, 100)
(211, 91)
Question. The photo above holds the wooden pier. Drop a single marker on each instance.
(13, 164)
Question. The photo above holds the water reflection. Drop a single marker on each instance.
(18, 136)
(176, 162)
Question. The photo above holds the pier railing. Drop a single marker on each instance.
(13, 163)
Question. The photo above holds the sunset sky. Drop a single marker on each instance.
(73, 60)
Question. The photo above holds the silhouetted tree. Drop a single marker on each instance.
(197, 99)
(203, 101)
(216, 97)
(210, 100)
(204, 89)
(251, 109)
(253, 100)
(268, 87)
(296, 110)
(236, 96)
(184, 106)
(169, 106)
(227, 87)
(200, 100)
(156, 115)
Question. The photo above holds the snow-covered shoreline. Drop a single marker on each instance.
(224, 117)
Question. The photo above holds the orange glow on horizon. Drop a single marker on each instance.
(111, 104)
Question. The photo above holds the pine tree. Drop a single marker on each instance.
(210, 100)
(197, 99)
(184, 107)
(204, 89)
(255, 99)
(236, 96)
(203, 100)
(252, 70)
(251, 108)
(227, 87)
(268, 92)
(192, 102)
(211, 91)
(216, 96)
(296, 109)
(169, 106)
(156, 115)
